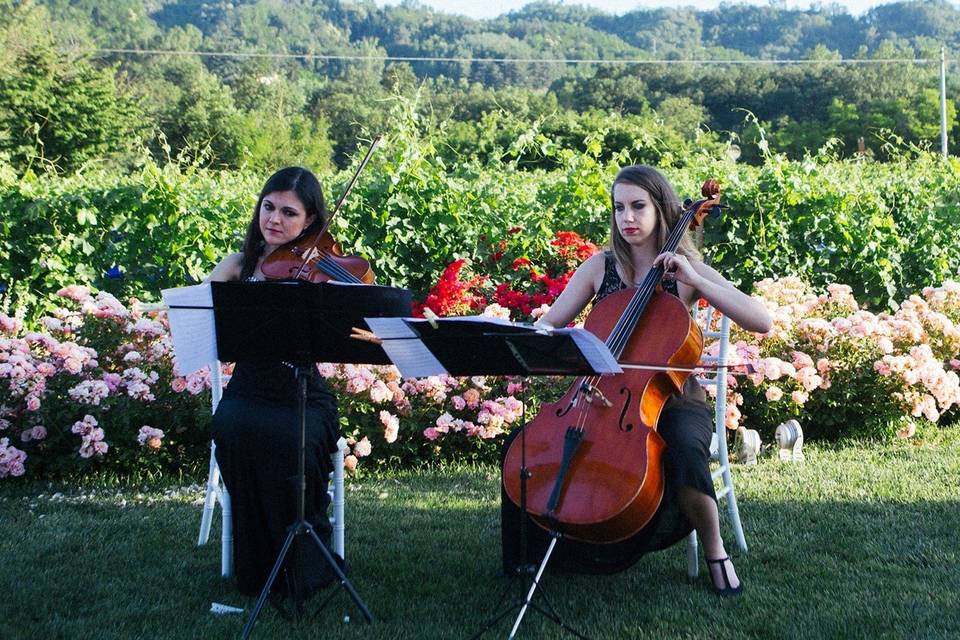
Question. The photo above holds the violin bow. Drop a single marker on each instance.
(336, 208)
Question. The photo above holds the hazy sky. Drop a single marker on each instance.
(492, 8)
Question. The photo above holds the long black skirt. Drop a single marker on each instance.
(257, 444)
(686, 425)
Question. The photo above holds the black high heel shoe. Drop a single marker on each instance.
(726, 589)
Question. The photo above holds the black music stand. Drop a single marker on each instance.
(486, 346)
(301, 323)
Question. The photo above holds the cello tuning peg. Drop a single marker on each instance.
(716, 210)
(687, 203)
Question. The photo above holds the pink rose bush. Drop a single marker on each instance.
(79, 388)
(75, 393)
(841, 369)
(416, 416)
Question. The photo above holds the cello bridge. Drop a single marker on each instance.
(591, 393)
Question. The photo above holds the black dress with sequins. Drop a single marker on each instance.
(686, 425)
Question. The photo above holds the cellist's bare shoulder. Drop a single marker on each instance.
(227, 270)
(594, 269)
(581, 288)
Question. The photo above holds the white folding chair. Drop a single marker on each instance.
(217, 492)
(718, 445)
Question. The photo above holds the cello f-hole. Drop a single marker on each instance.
(626, 427)
(573, 399)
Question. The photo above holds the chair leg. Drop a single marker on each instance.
(338, 502)
(693, 557)
(735, 520)
(209, 502)
(226, 535)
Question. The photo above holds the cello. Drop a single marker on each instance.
(593, 459)
(317, 256)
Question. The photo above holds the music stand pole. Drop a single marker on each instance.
(301, 527)
(524, 568)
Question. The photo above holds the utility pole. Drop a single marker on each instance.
(943, 102)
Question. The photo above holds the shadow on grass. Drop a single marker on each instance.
(424, 553)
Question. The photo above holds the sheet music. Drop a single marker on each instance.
(593, 349)
(414, 359)
(192, 328)
(404, 348)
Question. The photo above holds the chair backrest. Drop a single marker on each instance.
(716, 376)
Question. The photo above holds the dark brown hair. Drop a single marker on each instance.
(302, 182)
(667, 204)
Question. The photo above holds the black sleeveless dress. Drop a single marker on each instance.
(256, 430)
(686, 425)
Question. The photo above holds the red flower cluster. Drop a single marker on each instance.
(526, 301)
(571, 246)
(452, 296)
(525, 287)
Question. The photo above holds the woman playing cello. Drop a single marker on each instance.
(645, 209)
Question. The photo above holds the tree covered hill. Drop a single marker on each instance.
(539, 30)
(318, 75)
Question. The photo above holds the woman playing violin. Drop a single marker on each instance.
(255, 426)
(645, 209)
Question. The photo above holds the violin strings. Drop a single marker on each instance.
(334, 269)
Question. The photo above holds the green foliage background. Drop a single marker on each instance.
(258, 84)
(887, 229)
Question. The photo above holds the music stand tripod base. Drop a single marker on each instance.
(485, 346)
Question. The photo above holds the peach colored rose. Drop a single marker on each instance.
(350, 462)
(907, 431)
(472, 398)
(362, 448)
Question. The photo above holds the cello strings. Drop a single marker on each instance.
(626, 324)
(628, 320)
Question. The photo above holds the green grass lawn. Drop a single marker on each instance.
(858, 542)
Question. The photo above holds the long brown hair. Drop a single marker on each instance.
(302, 182)
(667, 204)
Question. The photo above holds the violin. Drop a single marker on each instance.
(317, 256)
(593, 459)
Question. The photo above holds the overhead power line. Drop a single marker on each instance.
(595, 61)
